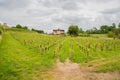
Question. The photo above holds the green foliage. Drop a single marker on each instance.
(25, 27)
(38, 31)
(73, 30)
(25, 55)
(81, 31)
(18, 26)
(114, 66)
(113, 25)
(18, 62)
(117, 33)
(93, 31)
(106, 29)
(111, 34)
(119, 25)
(17, 29)
(1, 29)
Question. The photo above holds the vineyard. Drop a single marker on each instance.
(43, 50)
(76, 48)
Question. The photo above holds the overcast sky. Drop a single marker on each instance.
(52, 14)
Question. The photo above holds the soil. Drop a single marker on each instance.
(73, 71)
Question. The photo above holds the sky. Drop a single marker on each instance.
(52, 14)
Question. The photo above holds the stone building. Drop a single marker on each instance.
(58, 32)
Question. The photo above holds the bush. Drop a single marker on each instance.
(117, 33)
(1, 30)
(118, 36)
(111, 34)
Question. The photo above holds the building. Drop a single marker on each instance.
(4, 24)
(58, 32)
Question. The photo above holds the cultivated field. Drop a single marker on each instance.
(32, 56)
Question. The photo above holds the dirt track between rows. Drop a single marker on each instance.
(73, 71)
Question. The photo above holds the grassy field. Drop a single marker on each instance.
(26, 55)
(99, 35)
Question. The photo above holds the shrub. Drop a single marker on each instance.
(1, 29)
(110, 34)
(0, 32)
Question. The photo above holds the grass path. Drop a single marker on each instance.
(17, 62)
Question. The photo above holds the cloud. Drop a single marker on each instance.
(1, 22)
(13, 4)
(40, 13)
(51, 14)
(69, 5)
(112, 11)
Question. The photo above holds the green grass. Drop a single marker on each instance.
(99, 35)
(1, 28)
(111, 63)
(107, 62)
(25, 55)
(74, 53)
(18, 62)
(109, 67)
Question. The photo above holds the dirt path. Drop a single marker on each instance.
(73, 71)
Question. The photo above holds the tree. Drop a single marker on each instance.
(81, 31)
(73, 30)
(18, 26)
(38, 31)
(119, 25)
(25, 27)
(104, 29)
(117, 31)
(114, 26)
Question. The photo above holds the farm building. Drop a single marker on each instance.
(58, 32)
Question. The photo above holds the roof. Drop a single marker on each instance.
(58, 29)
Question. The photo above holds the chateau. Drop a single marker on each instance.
(58, 32)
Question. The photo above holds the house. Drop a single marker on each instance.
(4, 24)
(58, 32)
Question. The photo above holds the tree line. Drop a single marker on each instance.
(18, 26)
(74, 30)
(112, 30)
(103, 29)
